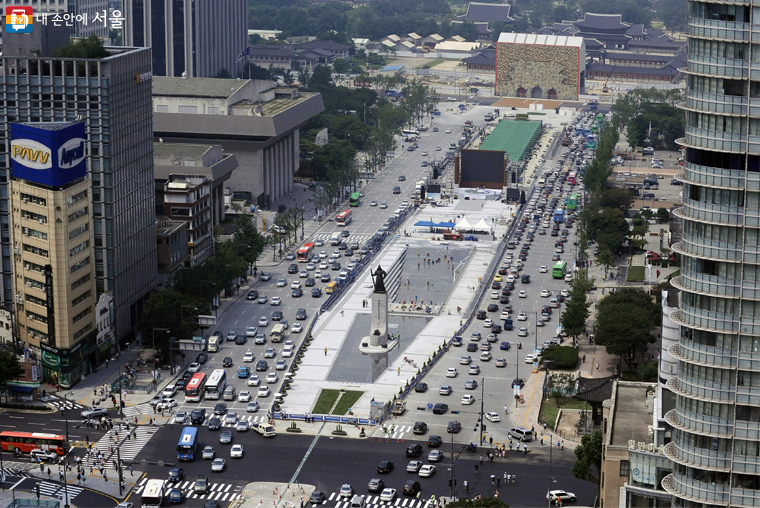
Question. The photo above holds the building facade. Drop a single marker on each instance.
(188, 198)
(51, 235)
(194, 38)
(540, 66)
(716, 420)
(112, 95)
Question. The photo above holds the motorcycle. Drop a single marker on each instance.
(519, 345)
(472, 447)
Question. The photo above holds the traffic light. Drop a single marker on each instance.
(451, 483)
(484, 427)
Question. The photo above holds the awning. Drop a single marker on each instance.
(20, 388)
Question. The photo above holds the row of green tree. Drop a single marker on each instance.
(650, 115)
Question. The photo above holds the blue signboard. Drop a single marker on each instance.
(51, 153)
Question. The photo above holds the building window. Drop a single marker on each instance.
(79, 248)
(79, 299)
(213, 111)
(35, 250)
(79, 213)
(625, 466)
(80, 264)
(79, 282)
(77, 197)
(78, 231)
(188, 109)
(81, 315)
(162, 108)
(28, 198)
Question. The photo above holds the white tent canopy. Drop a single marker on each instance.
(482, 225)
(463, 225)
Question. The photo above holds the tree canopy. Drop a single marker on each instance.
(639, 109)
(10, 369)
(588, 458)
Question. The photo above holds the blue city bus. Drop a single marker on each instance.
(187, 443)
(559, 215)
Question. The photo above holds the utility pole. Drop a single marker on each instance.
(482, 421)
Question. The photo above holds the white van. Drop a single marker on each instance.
(335, 238)
(358, 501)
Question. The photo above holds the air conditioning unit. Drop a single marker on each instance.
(26, 200)
(28, 266)
(17, 251)
(29, 284)
(26, 231)
(42, 221)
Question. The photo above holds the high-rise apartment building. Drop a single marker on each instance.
(194, 38)
(112, 96)
(715, 443)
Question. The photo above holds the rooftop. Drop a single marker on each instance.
(49, 126)
(541, 40)
(602, 22)
(513, 137)
(477, 11)
(179, 149)
(197, 87)
(632, 416)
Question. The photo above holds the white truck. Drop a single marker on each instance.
(213, 343)
(264, 429)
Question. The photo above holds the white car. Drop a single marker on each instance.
(323, 254)
(296, 328)
(276, 300)
(244, 396)
(488, 323)
(545, 293)
(485, 356)
(493, 417)
(448, 131)
(263, 321)
(254, 380)
(236, 452)
(194, 367)
(468, 399)
(281, 283)
(542, 269)
(303, 274)
(522, 332)
(248, 357)
(474, 369)
(568, 277)
(437, 148)
(565, 293)
(388, 495)
(427, 471)
(451, 372)
(413, 466)
(522, 316)
(494, 295)
(346, 490)
(166, 404)
(296, 284)
(169, 391)
(251, 331)
(323, 265)
(311, 267)
(383, 205)
(529, 358)
(272, 377)
(522, 294)
(540, 322)
(263, 391)
(504, 315)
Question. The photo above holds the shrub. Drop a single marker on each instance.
(562, 357)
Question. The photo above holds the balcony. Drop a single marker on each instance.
(688, 387)
(714, 177)
(749, 361)
(696, 282)
(714, 103)
(716, 29)
(694, 423)
(694, 490)
(745, 497)
(690, 352)
(717, 140)
(747, 396)
(697, 457)
(721, 214)
(727, 67)
(710, 249)
(720, 321)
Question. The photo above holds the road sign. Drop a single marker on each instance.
(430, 406)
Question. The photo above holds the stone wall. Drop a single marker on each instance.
(537, 71)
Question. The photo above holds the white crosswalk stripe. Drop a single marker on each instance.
(218, 491)
(9, 472)
(60, 403)
(129, 447)
(326, 237)
(399, 431)
(374, 502)
(138, 410)
(57, 490)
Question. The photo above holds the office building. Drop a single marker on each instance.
(51, 235)
(79, 18)
(715, 445)
(255, 120)
(192, 38)
(112, 95)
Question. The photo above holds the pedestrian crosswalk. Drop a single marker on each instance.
(13, 471)
(397, 431)
(138, 410)
(403, 502)
(325, 237)
(57, 490)
(60, 403)
(128, 448)
(221, 492)
(251, 420)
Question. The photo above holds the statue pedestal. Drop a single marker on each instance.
(366, 348)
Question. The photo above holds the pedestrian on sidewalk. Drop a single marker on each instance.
(325, 351)
(131, 471)
(106, 363)
(50, 475)
(481, 459)
(597, 366)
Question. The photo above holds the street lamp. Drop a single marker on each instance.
(121, 378)
(154, 342)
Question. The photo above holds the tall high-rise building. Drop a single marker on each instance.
(194, 38)
(111, 93)
(715, 444)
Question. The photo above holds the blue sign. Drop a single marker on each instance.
(51, 153)
(430, 406)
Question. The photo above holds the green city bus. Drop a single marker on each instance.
(558, 270)
(355, 199)
(572, 203)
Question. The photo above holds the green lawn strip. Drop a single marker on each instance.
(347, 401)
(549, 409)
(635, 274)
(326, 401)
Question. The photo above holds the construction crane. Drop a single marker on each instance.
(604, 88)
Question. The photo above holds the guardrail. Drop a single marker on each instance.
(349, 420)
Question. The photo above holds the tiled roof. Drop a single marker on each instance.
(636, 57)
(636, 30)
(602, 21)
(477, 11)
(606, 69)
(486, 57)
(327, 45)
(270, 51)
(592, 43)
(657, 43)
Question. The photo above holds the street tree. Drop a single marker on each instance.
(575, 314)
(247, 241)
(588, 459)
(624, 323)
(606, 259)
(10, 369)
(171, 310)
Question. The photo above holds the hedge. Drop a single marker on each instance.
(562, 357)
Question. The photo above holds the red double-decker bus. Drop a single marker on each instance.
(194, 387)
(25, 442)
(343, 218)
(304, 253)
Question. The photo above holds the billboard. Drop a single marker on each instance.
(51, 154)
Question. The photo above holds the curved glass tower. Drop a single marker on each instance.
(716, 422)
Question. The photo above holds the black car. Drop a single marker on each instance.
(472, 347)
(277, 315)
(227, 362)
(197, 416)
(297, 293)
(309, 282)
(421, 387)
(496, 329)
(293, 268)
(262, 366)
(316, 292)
(496, 285)
(385, 467)
(201, 358)
(454, 427)
(342, 246)
(241, 340)
(420, 428)
(345, 233)
(397, 190)
(252, 295)
(301, 314)
(414, 450)
(434, 441)
(175, 475)
(401, 178)
(214, 423)
(335, 266)
(492, 307)
(180, 384)
(349, 252)
(411, 488)
(220, 408)
(211, 503)
(317, 497)
(504, 298)
(440, 408)
(481, 314)
(187, 375)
